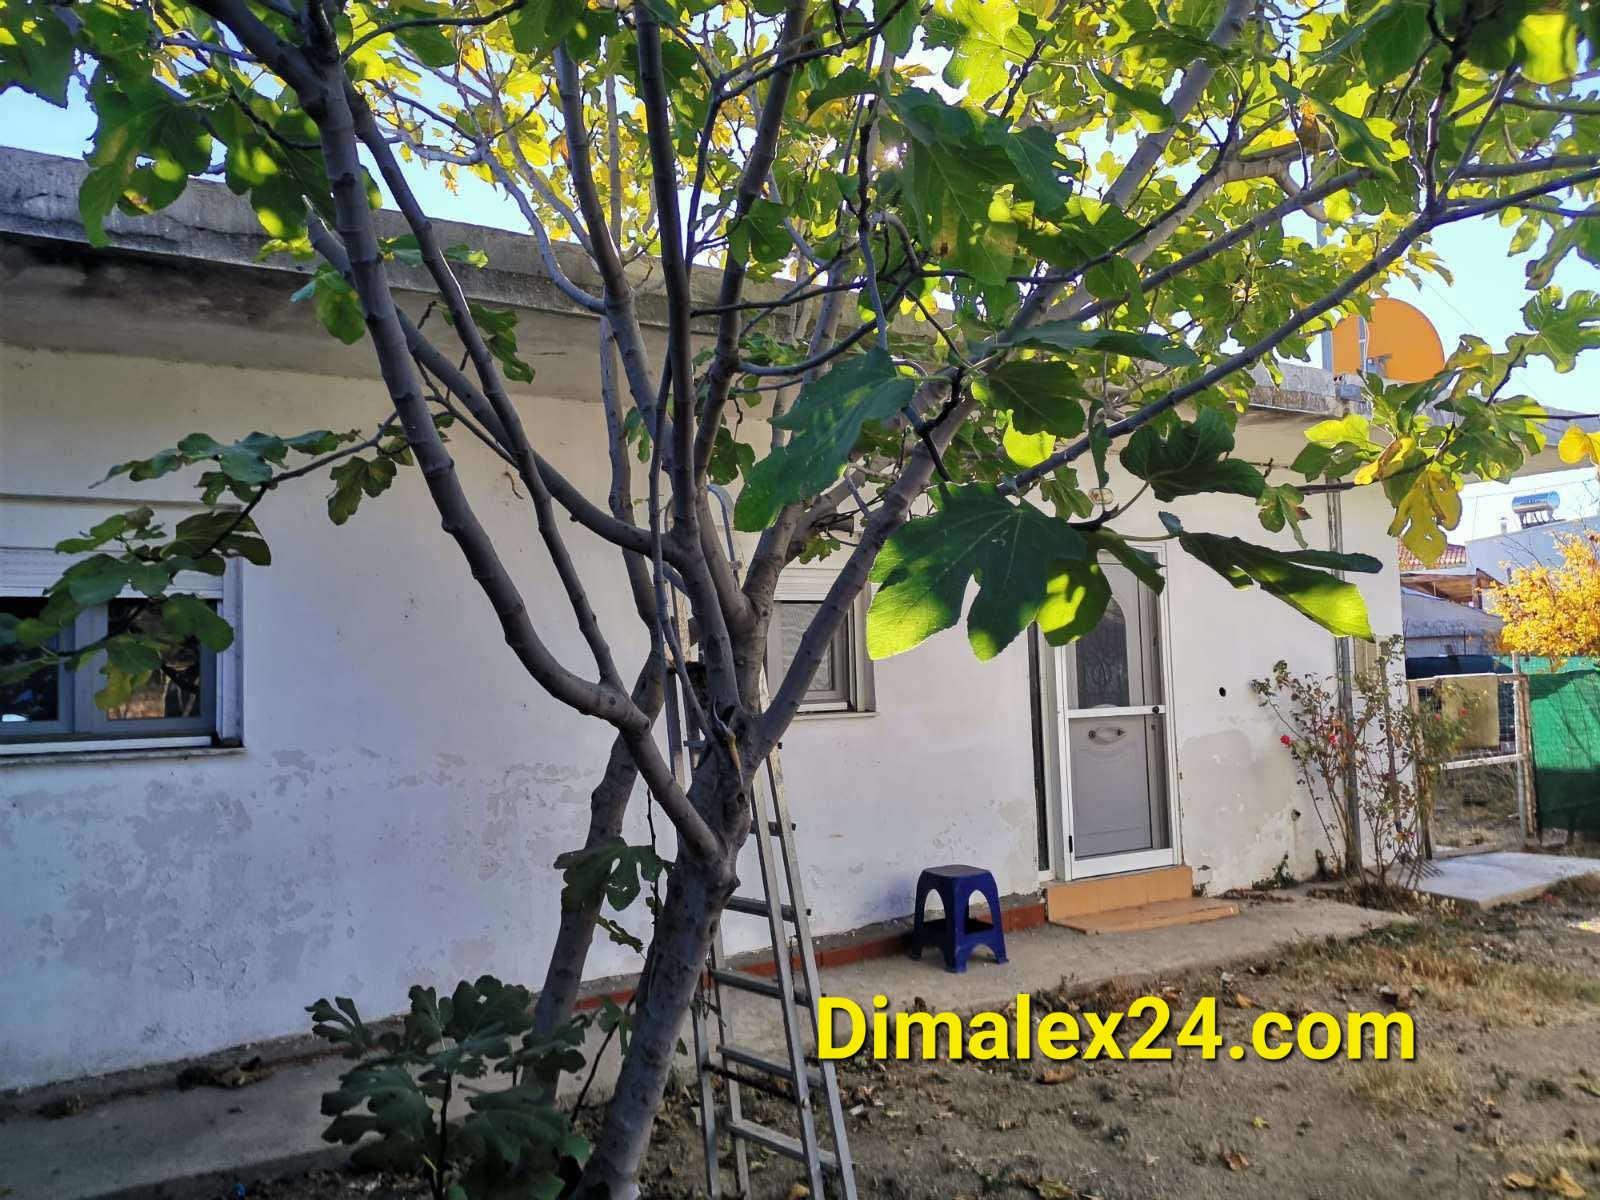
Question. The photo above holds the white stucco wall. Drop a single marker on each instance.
(403, 787)
(1242, 809)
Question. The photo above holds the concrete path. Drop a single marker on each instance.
(198, 1143)
(1501, 877)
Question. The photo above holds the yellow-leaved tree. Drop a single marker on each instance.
(1554, 611)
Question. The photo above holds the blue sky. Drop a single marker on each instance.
(1485, 296)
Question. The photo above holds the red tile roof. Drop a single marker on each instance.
(1453, 556)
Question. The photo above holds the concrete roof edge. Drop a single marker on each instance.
(209, 224)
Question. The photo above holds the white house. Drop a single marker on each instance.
(367, 791)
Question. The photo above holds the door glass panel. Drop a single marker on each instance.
(1102, 663)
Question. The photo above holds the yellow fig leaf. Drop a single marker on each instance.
(1027, 449)
(1432, 506)
(1578, 444)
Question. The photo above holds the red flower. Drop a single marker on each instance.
(1286, 740)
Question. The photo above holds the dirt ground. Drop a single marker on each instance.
(1502, 1099)
(1477, 809)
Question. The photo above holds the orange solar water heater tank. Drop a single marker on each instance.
(1396, 341)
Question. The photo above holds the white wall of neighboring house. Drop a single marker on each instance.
(1502, 553)
(403, 787)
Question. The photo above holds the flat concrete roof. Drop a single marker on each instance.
(170, 283)
(187, 284)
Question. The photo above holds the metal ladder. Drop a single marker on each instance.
(792, 1079)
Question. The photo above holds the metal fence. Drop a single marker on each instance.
(1499, 735)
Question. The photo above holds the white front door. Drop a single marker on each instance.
(1112, 732)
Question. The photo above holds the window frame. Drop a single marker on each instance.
(26, 571)
(856, 696)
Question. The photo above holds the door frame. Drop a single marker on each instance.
(1058, 772)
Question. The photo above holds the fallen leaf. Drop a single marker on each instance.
(1561, 1183)
(1005, 1123)
(1057, 1075)
(1260, 1122)
(799, 1191)
(1054, 1189)
(1240, 1000)
(1518, 1181)
(1232, 1159)
(1395, 997)
(65, 1106)
(236, 1075)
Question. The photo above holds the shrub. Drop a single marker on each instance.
(510, 1141)
(1390, 749)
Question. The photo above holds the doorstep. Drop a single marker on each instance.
(1132, 902)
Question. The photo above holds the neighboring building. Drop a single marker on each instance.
(1536, 542)
(1437, 628)
(1441, 607)
(1448, 608)
(1451, 578)
(368, 792)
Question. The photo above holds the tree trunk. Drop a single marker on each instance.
(608, 803)
(696, 894)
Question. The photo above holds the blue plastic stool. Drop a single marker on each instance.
(956, 934)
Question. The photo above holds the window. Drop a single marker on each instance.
(189, 700)
(843, 681)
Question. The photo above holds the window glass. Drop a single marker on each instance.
(39, 696)
(174, 689)
(838, 685)
(795, 616)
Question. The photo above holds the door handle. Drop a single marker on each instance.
(1105, 735)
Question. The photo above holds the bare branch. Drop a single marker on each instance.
(618, 293)
(1530, 166)
(758, 166)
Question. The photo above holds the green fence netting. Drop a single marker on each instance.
(1565, 711)
(1545, 666)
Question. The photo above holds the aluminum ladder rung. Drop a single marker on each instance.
(778, 1091)
(759, 1062)
(761, 986)
(780, 1143)
(752, 907)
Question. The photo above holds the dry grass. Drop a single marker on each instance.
(1419, 1086)
(1579, 889)
(1449, 971)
